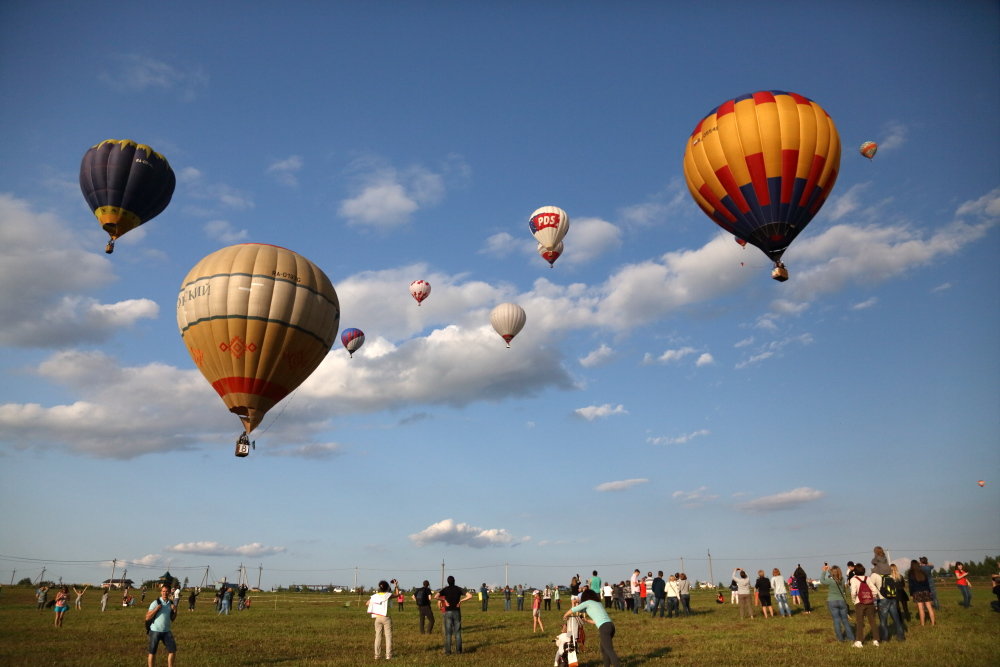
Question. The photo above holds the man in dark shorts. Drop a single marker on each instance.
(161, 613)
(453, 597)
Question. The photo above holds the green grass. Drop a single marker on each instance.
(317, 629)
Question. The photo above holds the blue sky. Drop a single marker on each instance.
(665, 397)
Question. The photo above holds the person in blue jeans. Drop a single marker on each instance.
(453, 597)
(836, 602)
(888, 607)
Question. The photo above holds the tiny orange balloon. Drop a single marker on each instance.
(982, 483)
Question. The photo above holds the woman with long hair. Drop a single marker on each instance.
(836, 602)
(901, 597)
(590, 602)
(378, 607)
(62, 605)
(920, 591)
(780, 592)
(802, 583)
(744, 588)
(962, 579)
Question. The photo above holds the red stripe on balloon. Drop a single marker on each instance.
(814, 172)
(725, 176)
(253, 386)
(716, 203)
(789, 162)
(758, 175)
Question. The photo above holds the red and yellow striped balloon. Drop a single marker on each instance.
(761, 166)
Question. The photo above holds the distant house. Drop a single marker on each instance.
(117, 583)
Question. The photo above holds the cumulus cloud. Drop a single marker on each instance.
(597, 357)
(620, 485)
(385, 197)
(695, 498)
(704, 359)
(503, 244)
(785, 500)
(670, 356)
(316, 451)
(224, 231)
(678, 439)
(448, 531)
(866, 304)
(51, 309)
(212, 198)
(252, 550)
(286, 171)
(893, 136)
(592, 412)
(592, 237)
(140, 73)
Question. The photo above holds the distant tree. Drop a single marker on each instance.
(24, 582)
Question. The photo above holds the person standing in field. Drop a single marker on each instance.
(62, 605)
(484, 595)
(672, 590)
(780, 592)
(536, 611)
(684, 590)
(192, 598)
(865, 595)
(920, 591)
(928, 569)
(42, 596)
(763, 588)
(595, 584)
(161, 612)
(608, 593)
(79, 597)
(422, 596)
(901, 596)
(506, 598)
(633, 583)
(378, 607)
(590, 603)
(836, 602)
(888, 607)
(802, 583)
(547, 598)
(555, 596)
(962, 580)
(104, 598)
(745, 590)
(520, 597)
(452, 597)
(658, 593)
(226, 597)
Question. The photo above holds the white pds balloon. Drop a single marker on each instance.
(549, 225)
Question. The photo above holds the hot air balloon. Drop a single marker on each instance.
(981, 483)
(257, 320)
(549, 225)
(761, 166)
(508, 320)
(550, 256)
(868, 149)
(125, 184)
(352, 340)
(420, 289)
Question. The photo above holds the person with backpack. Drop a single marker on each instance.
(865, 594)
(162, 611)
(422, 596)
(836, 602)
(890, 589)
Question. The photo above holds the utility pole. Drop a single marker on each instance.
(12, 577)
(505, 566)
(442, 573)
(40, 575)
(682, 563)
(260, 572)
(111, 581)
(711, 579)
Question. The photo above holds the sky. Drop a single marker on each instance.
(666, 399)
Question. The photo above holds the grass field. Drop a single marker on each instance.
(330, 629)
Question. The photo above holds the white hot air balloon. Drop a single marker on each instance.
(508, 320)
(420, 289)
(550, 256)
(549, 225)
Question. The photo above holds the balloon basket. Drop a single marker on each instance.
(243, 446)
(779, 273)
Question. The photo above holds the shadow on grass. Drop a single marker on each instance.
(642, 659)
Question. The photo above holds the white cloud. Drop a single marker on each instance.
(140, 73)
(503, 244)
(285, 171)
(317, 451)
(773, 348)
(592, 412)
(386, 197)
(589, 238)
(987, 206)
(695, 498)
(597, 357)
(671, 356)
(50, 309)
(864, 305)
(785, 500)
(448, 531)
(705, 359)
(224, 231)
(149, 560)
(252, 550)
(620, 485)
(678, 440)
(943, 287)
(894, 136)
(215, 196)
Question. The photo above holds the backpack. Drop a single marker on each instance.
(865, 595)
(422, 597)
(733, 586)
(889, 587)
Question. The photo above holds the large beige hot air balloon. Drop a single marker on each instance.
(257, 320)
(508, 319)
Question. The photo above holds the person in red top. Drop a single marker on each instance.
(642, 594)
(962, 579)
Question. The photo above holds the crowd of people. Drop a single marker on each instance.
(880, 597)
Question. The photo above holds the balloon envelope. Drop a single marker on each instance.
(352, 340)
(982, 483)
(125, 184)
(420, 290)
(761, 166)
(257, 320)
(868, 149)
(508, 319)
(549, 225)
